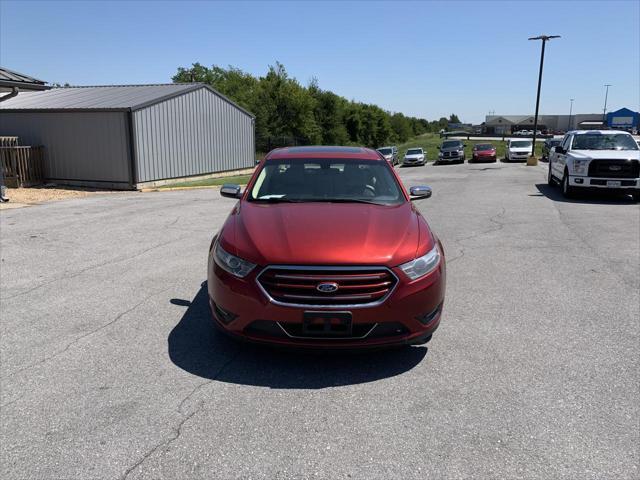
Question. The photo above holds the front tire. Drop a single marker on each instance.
(551, 180)
(567, 190)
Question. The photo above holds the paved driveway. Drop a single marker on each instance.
(110, 368)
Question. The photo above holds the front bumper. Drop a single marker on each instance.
(409, 315)
(414, 161)
(604, 183)
(450, 158)
(484, 158)
(519, 155)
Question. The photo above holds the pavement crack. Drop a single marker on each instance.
(176, 434)
(177, 431)
(81, 337)
(92, 267)
(493, 219)
(450, 261)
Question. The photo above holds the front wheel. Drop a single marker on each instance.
(636, 196)
(567, 190)
(551, 180)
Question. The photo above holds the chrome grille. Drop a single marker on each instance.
(356, 286)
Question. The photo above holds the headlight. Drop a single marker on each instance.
(420, 266)
(580, 166)
(232, 264)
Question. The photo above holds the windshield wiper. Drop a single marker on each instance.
(277, 200)
(349, 200)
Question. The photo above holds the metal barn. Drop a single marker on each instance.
(132, 136)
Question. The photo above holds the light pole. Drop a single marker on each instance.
(604, 111)
(545, 39)
(570, 112)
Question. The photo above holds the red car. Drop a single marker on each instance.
(484, 152)
(326, 249)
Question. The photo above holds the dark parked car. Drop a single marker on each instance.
(484, 152)
(325, 249)
(451, 151)
(549, 143)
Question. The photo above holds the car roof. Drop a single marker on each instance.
(601, 132)
(357, 153)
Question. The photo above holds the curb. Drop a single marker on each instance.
(169, 189)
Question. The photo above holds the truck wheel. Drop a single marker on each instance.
(551, 180)
(636, 196)
(567, 190)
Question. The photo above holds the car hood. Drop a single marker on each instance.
(520, 149)
(485, 152)
(456, 149)
(325, 233)
(414, 155)
(607, 154)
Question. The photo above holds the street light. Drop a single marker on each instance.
(604, 111)
(544, 39)
(570, 111)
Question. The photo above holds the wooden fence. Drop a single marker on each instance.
(22, 166)
(8, 141)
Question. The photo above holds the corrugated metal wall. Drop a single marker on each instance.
(80, 146)
(192, 134)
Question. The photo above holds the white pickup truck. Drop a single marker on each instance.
(596, 159)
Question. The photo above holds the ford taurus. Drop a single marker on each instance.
(325, 248)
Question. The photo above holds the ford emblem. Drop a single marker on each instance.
(615, 168)
(327, 287)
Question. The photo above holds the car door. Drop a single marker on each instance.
(561, 158)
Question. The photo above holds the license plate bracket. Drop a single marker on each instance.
(614, 183)
(327, 323)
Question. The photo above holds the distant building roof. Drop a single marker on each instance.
(106, 97)
(508, 119)
(10, 79)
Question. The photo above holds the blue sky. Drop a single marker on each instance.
(427, 59)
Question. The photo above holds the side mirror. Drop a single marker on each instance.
(438, 147)
(420, 192)
(559, 150)
(464, 145)
(231, 191)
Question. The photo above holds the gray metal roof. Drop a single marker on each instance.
(9, 79)
(107, 97)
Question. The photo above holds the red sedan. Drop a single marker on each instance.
(325, 248)
(484, 152)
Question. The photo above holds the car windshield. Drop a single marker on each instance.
(484, 146)
(414, 151)
(385, 151)
(599, 141)
(451, 144)
(521, 144)
(326, 180)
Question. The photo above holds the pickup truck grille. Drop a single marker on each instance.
(357, 286)
(614, 168)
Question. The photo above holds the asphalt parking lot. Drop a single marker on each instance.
(110, 367)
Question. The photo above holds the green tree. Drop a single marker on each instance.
(285, 109)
